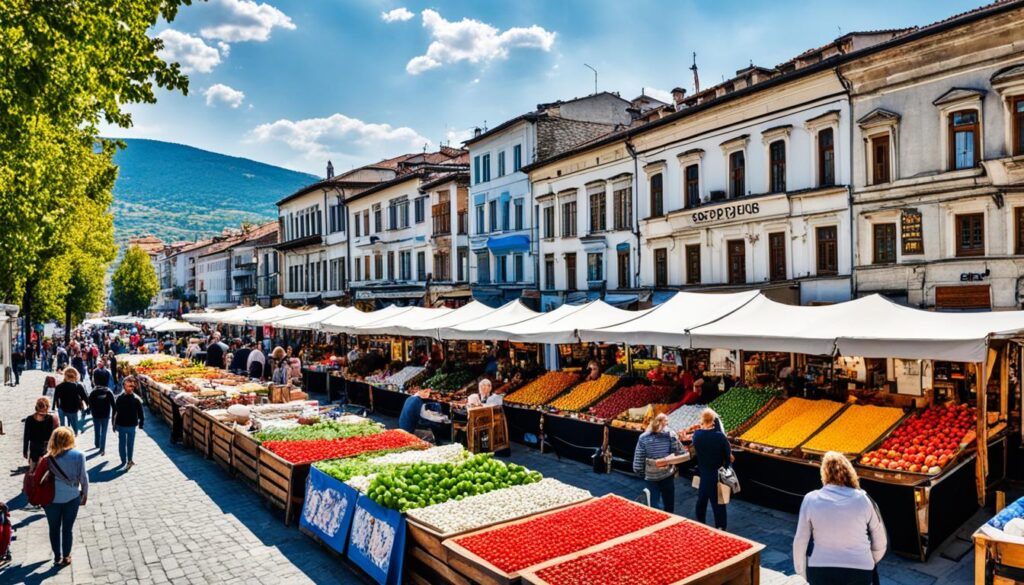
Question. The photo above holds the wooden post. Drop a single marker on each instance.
(982, 371)
(1004, 384)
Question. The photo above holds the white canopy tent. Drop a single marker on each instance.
(271, 315)
(561, 325)
(153, 322)
(347, 321)
(122, 319)
(481, 328)
(429, 327)
(176, 327)
(223, 316)
(311, 320)
(97, 322)
(667, 323)
(396, 324)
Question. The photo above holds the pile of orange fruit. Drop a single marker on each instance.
(855, 429)
(543, 388)
(586, 393)
(791, 423)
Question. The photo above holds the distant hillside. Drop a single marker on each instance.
(179, 192)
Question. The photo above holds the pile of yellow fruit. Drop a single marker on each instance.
(543, 388)
(586, 393)
(791, 422)
(855, 430)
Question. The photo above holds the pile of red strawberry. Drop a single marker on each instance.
(309, 451)
(926, 442)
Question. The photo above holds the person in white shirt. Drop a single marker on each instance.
(483, 396)
(256, 365)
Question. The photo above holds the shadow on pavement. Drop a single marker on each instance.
(24, 573)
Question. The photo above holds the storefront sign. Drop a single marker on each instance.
(974, 276)
(726, 212)
(911, 232)
(367, 295)
(969, 296)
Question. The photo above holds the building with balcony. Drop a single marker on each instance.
(245, 261)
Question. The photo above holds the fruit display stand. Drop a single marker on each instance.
(245, 457)
(201, 430)
(282, 483)
(222, 437)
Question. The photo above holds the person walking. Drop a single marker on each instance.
(282, 371)
(71, 490)
(101, 376)
(216, 351)
(112, 366)
(256, 363)
(38, 428)
(101, 404)
(658, 442)
(70, 398)
(713, 452)
(849, 537)
(17, 364)
(78, 362)
(62, 357)
(128, 416)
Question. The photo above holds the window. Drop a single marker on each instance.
(549, 221)
(441, 214)
(366, 267)
(598, 211)
(622, 263)
(777, 256)
(517, 157)
(378, 266)
(358, 224)
(595, 266)
(1018, 229)
(880, 159)
(826, 158)
(777, 156)
(1017, 111)
(366, 222)
(884, 236)
(335, 218)
(391, 265)
(506, 218)
(549, 271)
(964, 149)
(421, 265)
(486, 163)
(403, 213)
(693, 264)
(657, 196)
(393, 215)
(569, 219)
(476, 170)
(518, 223)
(737, 174)
(492, 214)
(660, 267)
(517, 268)
(483, 268)
(970, 234)
(441, 267)
(501, 164)
(692, 185)
(377, 219)
(570, 271)
(828, 250)
(480, 228)
(622, 206)
(501, 268)
(421, 209)
(736, 251)
(463, 260)
(359, 270)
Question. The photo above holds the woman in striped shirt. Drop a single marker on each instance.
(657, 442)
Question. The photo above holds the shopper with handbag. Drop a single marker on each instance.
(38, 429)
(658, 442)
(713, 453)
(70, 490)
(70, 399)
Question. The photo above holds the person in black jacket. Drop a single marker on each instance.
(713, 452)
(101, 375)
(101, 404)
(38, 429)
(112, 361)
(70, 398)
(240, 358)
(216, 351)
(128, 416)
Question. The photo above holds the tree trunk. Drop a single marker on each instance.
(67, 318)
(26, 313)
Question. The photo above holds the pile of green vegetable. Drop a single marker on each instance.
(446, 381)
(325, 429)
(739, 404)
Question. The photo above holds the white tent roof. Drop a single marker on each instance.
(176, 327)
(153, 322)
(667, 323)
(396, 324)
(481, 328)
(560, 326)
(122, 319)
(428, 328)
(309, 321)
(346, 321)
(271, 315)
(97, 322)
(223, 316)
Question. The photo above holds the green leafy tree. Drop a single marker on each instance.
(134, 282)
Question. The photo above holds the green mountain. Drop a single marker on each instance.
(178, 192)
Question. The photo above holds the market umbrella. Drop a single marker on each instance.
(347, 321)
(510, 313)
(271, 315)
(310, 321)
(176, 327)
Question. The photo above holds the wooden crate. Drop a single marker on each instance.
(991, 554)
(222, 438)
(245, 458)
(201, 423)
(167, 407)
(423, 567)
(187, 414)
(282, 484)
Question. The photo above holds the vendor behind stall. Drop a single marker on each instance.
(415, 413)
(593, 371)
(483, 396)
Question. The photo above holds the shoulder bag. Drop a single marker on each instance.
(39, 485)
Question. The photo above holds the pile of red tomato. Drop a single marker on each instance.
(518, 546)
(654, 559)
(309, 451)
(926, 442)
(630, 397)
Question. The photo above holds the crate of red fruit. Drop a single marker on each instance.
(499, 553)
(630, 397)
(926, 442)
(652, 556)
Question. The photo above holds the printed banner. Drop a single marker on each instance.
(327, 511)
(377, 541)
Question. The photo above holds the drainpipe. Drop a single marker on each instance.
(636, 210)
(848, 85)
(535, 245)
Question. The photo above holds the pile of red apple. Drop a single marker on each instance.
(926, 442)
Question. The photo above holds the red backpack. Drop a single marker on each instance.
(39, 485)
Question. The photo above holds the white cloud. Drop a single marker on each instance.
(318, 138)
(457, 137)
(244, 20)
(223, 94)
(473, 41)
(397, 15)
(225, 49)
(659, 94)
(190, 51)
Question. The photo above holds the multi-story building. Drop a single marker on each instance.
(213, 273)
(449, 237)
(938, 148)
(245, 261)
(269, 285)
(392, 241)
(502, 257)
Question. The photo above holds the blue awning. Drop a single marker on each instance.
(660, 296)
(622, 247)
(508, 244)
(505, 197)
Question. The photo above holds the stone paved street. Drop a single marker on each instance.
(178, 518)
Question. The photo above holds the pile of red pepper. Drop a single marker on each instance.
(630, 397)
(299, 452)
(632, 561)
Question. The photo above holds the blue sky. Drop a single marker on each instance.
(294, 83)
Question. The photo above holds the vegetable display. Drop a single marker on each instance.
(630, 397)
(585, 394)
(685, 416)
(449, 381)
(736, 406)
(399, 378)
(424, 484)
(927, 441)
(299, 452)
(325, 429)
(518, 546)
(855, 429)
(652, 559)
(502, 505)
(543, 389)
(345, 469)
(791, 422)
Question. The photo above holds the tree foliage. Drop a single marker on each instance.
(134, 282)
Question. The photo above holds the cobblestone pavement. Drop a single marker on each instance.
(178, 518)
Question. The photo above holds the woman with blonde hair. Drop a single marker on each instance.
(849, 537)
(71, 490)
(658, 442)
(713, 453)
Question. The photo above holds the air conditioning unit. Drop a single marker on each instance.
(718, 196)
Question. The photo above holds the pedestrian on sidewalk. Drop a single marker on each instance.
(71, 490)
(38, 429)
(78, 362)
(101, 404)
(17, 364)
(713, 453)
(128, 416)
(658, 442)
(101, 376)
(71, 399)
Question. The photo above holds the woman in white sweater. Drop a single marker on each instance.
(849, 537)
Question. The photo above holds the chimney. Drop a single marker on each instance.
(678, 95)
(330, 170)
(477, 131)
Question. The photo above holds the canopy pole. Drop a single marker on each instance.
(1004, 384)
(981, 371)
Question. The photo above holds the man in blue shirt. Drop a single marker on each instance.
(409, 419)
